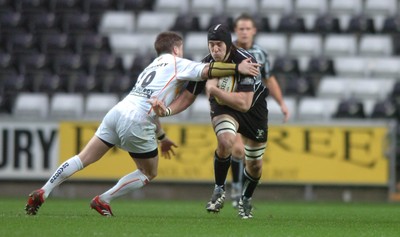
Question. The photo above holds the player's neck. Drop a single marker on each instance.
(244, 45)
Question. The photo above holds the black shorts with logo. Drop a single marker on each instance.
(253, 124)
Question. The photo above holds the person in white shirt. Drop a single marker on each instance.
(133, 126)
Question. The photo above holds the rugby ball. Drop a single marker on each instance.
(227, 84)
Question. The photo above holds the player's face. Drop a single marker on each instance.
(217, 50)
(245, 31)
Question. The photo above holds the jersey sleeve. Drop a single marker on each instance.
(188, 70)
(266, 69)
(196, 87)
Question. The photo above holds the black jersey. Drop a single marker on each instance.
(262, 58)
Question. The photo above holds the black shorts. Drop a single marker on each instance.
(253, 124)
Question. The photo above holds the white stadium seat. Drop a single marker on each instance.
(375, 45)
(305, 45)
(274, 44)
(66, 106)
(175, 6)
(31, 105)
(117, 22)
(317, 109)
(154, 22)
(340, 45)
(351, 66)
(98, 104)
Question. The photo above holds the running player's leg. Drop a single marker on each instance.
(237, 170)
(225, 128)
(254, 152)
(92, 152)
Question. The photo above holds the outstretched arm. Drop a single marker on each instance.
(182, 102)
(219, 69)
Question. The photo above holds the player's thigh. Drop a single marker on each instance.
(93, 151)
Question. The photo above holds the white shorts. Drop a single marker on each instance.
(129, 128)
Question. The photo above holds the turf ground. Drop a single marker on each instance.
(58, 217)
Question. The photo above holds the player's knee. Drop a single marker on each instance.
(225, 147)
(150, 173)
(238, 151)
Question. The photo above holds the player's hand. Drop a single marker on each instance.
(285, 112)
(246, 67)
(158, 107)
(210, 85)
(166, 146)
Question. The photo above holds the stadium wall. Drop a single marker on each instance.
(338, 161)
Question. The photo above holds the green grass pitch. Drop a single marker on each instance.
(70, 217)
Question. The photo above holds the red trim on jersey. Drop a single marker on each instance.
(169, 81)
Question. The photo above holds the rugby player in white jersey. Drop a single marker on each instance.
(133, 126)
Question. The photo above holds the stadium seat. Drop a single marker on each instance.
(361, 24)
(65, 6)
(274, 43)
(79, 23)
(314, 7)
(121, 85)
(350, 108)
(55, 44)
(186, 22)
(384, 109)
(6, 103)
(319, 66)
(117, 22)
(196, 44)
(97, 105)
(340, 45)
(23, 43)
(31, 105)
(12, 22)
(172, 6)
(83, 84)
(40, 23)
(275, 113)
(154, 22)
(351, 66)
(206, 6)
(136, 5)
(276, 7)
(220, 18)
(92, 44)
(381, 7)
(34, 67)
(375, 45)
(386, 67)
(233, 6)
(69, 67)
(8, 65)
(199, 111)
(316, 109)
(345, 7)
(299, 87)
(333, 87)
(140, 62)
(370, 88)
(6, 6)
(14, 84)
(291, 23)
(32, 6)
(305, 45)
(131, 43)
(391, 25)
(262, 22)
(98, 6)
(326, 24)
(64, 106)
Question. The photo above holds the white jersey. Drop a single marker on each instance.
(130, 124)
(164, 79)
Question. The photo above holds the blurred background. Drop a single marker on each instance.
(64, 63)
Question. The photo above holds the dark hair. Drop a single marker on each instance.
(246, 17)
(166, 41)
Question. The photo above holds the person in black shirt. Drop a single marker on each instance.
(241, 111)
